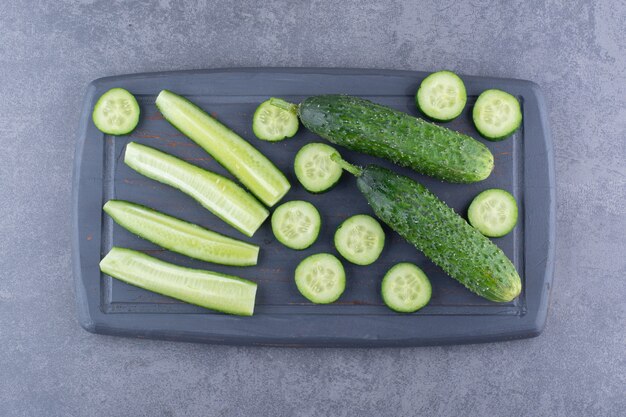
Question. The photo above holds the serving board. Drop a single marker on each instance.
(523, 165)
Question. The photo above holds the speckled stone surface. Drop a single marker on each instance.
(49, 366)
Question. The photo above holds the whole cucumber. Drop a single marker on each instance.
(441, 234)
(367, 127)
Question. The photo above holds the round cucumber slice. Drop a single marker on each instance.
(406, 288)
(360, 239)
(321, 278)
(493, 212)
(497, 114)
(314, 168)
(272, 123)
(442, 96)
(296, 224)
(116, 112)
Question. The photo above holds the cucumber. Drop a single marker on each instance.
(179, 236)
(116, 112)
(441, 96)
(363, 126)
(257, 173)
(360, 239)
(493, 212)
(321, 278)
(272, 123)
(497, 114)
(225, 293)
(431, 226)
(314, 168)
(219, 195)
(405, 288)
(296, 224)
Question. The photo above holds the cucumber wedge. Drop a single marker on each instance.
(257, 173)
(219, 195)
(182, 237)
(225, 293)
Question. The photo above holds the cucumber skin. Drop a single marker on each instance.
(446, 238)
(367, 127)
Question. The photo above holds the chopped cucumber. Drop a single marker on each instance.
(360, 239)
(497, 114)
(296, 224)
(441, 96)
(179, 236)
(219, 195)
(257, 173)
(493, 212)
(225, 293)
(314, 168)
(116, 112)
(272, 123)
(406, 288)
(321, 278)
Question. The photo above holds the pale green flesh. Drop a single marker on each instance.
(405, 288)
(116, 112)
(442, 96)
(493, 212)
(272, 123)
(217, 194)
(179, 236)
(321, 278)
(314, 168)
(296, 224)
(497, 114)
(207, 289)
(360, 239)
(257, 173)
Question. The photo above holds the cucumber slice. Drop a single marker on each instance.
(116, 112)
(497, 114)
(493, 212)
(272, 123)
(225, 293)
(182, 237)
(406, 288)
(360, 239)
(441, 96)
(219, 195)
(314, 168)
(257, 173)
(296, 224)
(321, 278)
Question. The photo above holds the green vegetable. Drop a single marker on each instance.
(116, 112)
(179, 236)
(218, 194)
(296, 224)
(314, 169)
(257, 173)
(363, 126)
(212, 290)
(442, 235)
(360, 239)
(496, 114)
(321, 278)
(441, 96)
(273, 124)
(405, 288)
(493, 212)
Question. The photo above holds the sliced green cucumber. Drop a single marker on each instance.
(225, 293)
(406, 288)
(116, 112)
(179, 236)
(272, 123)
(321, 278)
(360, 239)
(442, 96)
(218, 194)
(493, 212)
(314, 168)
(497, 114)
(296, 224)
(257, 173)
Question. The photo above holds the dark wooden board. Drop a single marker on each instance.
(523, 165)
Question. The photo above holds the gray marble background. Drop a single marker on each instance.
(49, 366)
